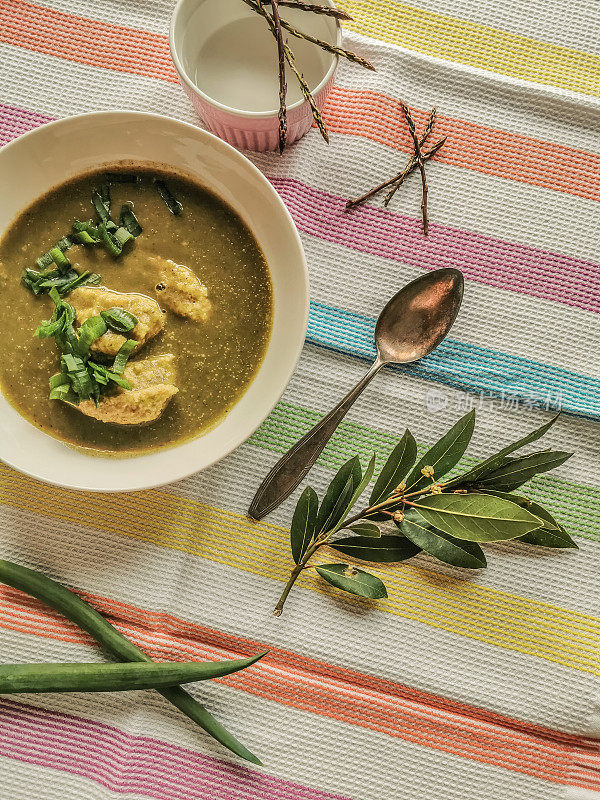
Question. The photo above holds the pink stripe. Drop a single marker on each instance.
(124, 762)
(15, 121)
(377, 231)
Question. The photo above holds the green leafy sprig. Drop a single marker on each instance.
(448, 520)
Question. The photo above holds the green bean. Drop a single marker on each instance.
(38, 678)
(88, 619)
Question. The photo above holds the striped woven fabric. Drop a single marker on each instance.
(456, 687)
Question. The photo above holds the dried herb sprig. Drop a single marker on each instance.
(447, 520)
(314, 8)
(422, 142)
(290, 58)
(282, 83)
(276, 24)
(417, 160)
(330, 48)
(398, 179)
(419, 156)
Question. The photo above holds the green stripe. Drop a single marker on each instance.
(576, 506)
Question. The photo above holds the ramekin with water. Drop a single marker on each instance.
(226, 58)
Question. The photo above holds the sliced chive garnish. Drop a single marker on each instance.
(112, 244)
(83, 237)
(173, 205)
(103, 375)
(119, 320)
(63, 282)
(101, 201)
(62, 392)
(90, 330)
(128, 220)
(43, 262)
(123, 236)
(59, 379)
(122, 356)
(59, 258)
(122, 382)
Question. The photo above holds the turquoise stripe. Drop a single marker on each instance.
(467, 367)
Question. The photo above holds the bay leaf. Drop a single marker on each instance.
(477, 517)
(549, 538)
(395, 468)
(444, 454)
(353, 580)
(493, 462)
(365, 528)
(304, 521)
(519, 470)
(352, 471)
(385, 549)
(457, 552)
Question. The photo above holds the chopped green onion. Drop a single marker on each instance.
(60, 392)
(122, 382)
(59, 379)
(173, 205)
(43, 262)
(123, 236)
(91, 278)
(123, 355)
(64, 282)
(119, 320)
(59, 258)
(79, 376)
(101, 201)
(83, 237)
(104, 375)
(121, 177)
(129, 220)
(90, 330)
(112, 244)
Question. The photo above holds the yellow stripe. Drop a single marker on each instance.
(477, 45)
(462, 607)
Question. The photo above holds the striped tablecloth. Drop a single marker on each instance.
(456, 687)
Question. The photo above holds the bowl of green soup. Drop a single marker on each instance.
(154, 301)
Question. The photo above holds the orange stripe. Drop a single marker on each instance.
(308, 684)
(494, 152)
(86, 41)
(369, 114)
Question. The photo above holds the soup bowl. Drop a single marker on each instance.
(47, 156)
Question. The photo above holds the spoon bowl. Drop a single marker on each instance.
(419, 316)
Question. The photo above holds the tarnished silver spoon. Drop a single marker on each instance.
(411, 325)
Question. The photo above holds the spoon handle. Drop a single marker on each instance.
(292, 467)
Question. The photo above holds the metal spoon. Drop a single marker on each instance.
(411, 325)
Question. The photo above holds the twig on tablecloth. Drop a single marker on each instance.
(397, 179)
(423, 140)
(419, 157)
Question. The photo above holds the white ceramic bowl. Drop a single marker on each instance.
(47, 156)
(245, 51)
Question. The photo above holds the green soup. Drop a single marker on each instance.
(215, 359)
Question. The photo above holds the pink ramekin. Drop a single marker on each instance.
(246, 130)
